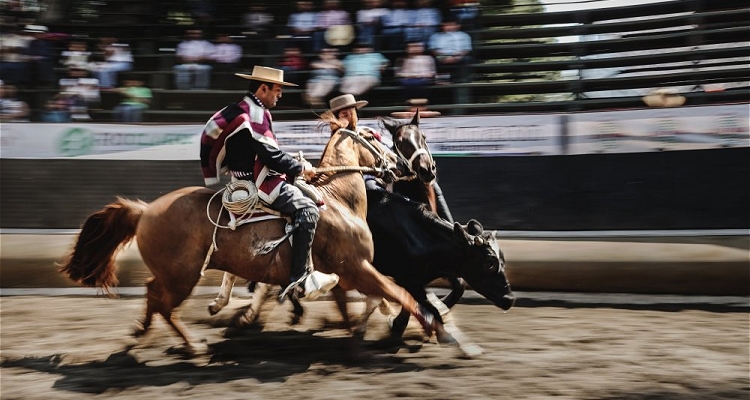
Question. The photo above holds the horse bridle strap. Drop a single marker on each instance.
(416, 154)
(381, 161)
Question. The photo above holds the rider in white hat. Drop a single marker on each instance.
(239, 140)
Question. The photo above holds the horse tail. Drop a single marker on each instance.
(102, 236)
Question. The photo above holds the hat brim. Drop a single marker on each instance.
(664, 100)
(357, 105)
(255, 78)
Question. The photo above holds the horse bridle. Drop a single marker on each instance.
(382, 166)
(420, 151)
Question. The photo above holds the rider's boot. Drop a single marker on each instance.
(305, 281)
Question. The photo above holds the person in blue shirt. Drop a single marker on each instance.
(452, 50)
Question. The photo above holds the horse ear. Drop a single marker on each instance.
(474, 227)
(415, 120)
(389, 124)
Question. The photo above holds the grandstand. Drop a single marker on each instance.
(700, 48)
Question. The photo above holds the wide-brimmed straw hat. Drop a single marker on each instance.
(266, 74)
(345, 101)
(664, 98)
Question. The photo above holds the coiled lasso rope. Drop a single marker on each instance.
(243, 205)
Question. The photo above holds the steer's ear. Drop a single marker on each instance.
(474, 227)
(460, 233)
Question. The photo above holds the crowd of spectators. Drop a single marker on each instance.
(321, 46)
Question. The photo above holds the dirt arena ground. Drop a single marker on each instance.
(551, 345)
(80, 347)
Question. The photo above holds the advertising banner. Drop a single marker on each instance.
(596, 132)
(686, 128)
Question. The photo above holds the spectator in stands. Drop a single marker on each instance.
(427, 20)
(452, 48)
(415, 71)
(40, 56)
(12, 109)
(259, 27)
(395, 22)
(136, 100)
(293, 64)
(116, 57)
(258, 22)
(465, 12)
(80, 93)
(331, 15)
(324, 77)
(194, 57)
(56, 110)
(301, 25)
(369, 20)
(362, 70)
(76, 56)
(13, 59)
(226, 59)
(202, 11)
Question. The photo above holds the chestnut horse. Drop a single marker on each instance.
(174, 236)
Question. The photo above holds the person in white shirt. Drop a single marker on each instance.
(226, 57)
(117, 58)
(194, 57)
(416, 71)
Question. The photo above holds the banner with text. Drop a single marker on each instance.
(596, 132)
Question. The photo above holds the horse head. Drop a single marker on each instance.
(410, 146)
(484, 269)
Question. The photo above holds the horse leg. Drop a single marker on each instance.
(297, 311)
(261, 294)
(339, 296)
(371, 303)
(225, 293)
(398, 324)
(143, 325)
(163, 300)
(458, 286)
(369, 281)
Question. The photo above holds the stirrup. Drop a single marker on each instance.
(290, 290)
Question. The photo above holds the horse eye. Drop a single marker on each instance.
(491, 267)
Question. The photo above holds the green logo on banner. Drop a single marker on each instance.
(76, 142)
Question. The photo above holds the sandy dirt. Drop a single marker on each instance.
(81, 348)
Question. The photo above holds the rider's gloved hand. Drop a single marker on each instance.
(308, 171)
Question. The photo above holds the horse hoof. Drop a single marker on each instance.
(244, 321)
(139, 330)
(443, 337)
(426, 319)
(214, 308)
(197, 349)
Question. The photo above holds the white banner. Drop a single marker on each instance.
(447, 135)
(685, 128)
(600, 132)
